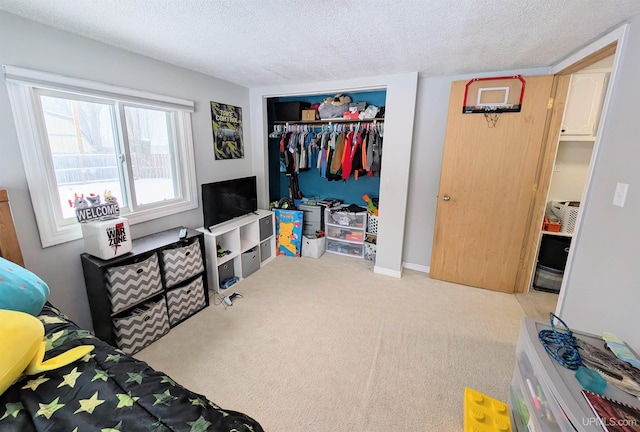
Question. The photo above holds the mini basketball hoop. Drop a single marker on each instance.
(493, 96)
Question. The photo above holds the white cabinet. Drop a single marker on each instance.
(584, 103)
(247, 242)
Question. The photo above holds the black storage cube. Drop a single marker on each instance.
(225, 271)
(554, 251)
(547, 279)
(290, 111)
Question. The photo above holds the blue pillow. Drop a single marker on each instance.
(21, 290)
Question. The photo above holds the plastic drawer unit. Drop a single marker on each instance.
(345, 232)
(544, 395)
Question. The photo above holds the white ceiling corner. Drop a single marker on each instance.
(278, 42)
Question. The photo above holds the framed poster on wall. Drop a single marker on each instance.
(227, 131)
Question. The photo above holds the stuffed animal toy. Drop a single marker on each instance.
(22, 296)
(109, 199)
(78, 202)
(93, 199)
(23, 349)
(340, 100)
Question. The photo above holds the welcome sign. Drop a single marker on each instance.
(98, 212)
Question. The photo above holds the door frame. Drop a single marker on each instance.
(599, 50)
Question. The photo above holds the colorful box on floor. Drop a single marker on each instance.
(288, 232)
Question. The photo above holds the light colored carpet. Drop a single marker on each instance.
(327, 345)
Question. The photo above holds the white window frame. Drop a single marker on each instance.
(22, 85)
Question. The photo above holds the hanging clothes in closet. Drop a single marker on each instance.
(336, 151)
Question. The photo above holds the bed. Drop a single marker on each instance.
(106, 390)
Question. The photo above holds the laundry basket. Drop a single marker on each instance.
(567, 211)
(372, 223)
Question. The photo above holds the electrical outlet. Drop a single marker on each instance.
(620, 194)
(556, 167)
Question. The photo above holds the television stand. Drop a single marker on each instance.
(251, 242)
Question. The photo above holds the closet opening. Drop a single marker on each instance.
(324, 152)
(285, 115)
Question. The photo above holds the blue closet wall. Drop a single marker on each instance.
(310, 182)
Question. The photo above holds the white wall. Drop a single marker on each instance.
(30, 45)
(601, 291)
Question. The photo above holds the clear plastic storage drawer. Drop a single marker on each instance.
(345, 233)
(345, 218)
(345, 248)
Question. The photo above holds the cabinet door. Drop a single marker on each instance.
(584, 102)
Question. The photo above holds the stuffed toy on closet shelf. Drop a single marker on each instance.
(22, 296)
(334, 107)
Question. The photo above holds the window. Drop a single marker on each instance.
(80, 138)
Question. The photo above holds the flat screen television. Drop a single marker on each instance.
(228, 199)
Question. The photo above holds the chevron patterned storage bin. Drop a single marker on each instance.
(182, 263)
(129, 284)
(143, 326)
(185, 301)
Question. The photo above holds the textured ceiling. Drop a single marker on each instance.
(264, 43)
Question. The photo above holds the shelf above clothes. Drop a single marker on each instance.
(328, 121)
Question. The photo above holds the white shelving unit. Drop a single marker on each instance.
(251, 243)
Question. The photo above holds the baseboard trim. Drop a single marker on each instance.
(416, 267)
(387, 272)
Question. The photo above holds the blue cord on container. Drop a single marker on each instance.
(565, 349)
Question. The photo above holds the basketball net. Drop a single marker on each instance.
(492, 117)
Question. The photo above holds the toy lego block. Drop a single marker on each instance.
(485, 414)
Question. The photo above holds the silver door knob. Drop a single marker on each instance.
(446, 198)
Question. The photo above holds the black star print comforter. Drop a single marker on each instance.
(107, 391)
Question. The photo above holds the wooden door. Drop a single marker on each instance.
(488, 179)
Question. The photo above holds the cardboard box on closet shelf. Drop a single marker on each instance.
(309, 115)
